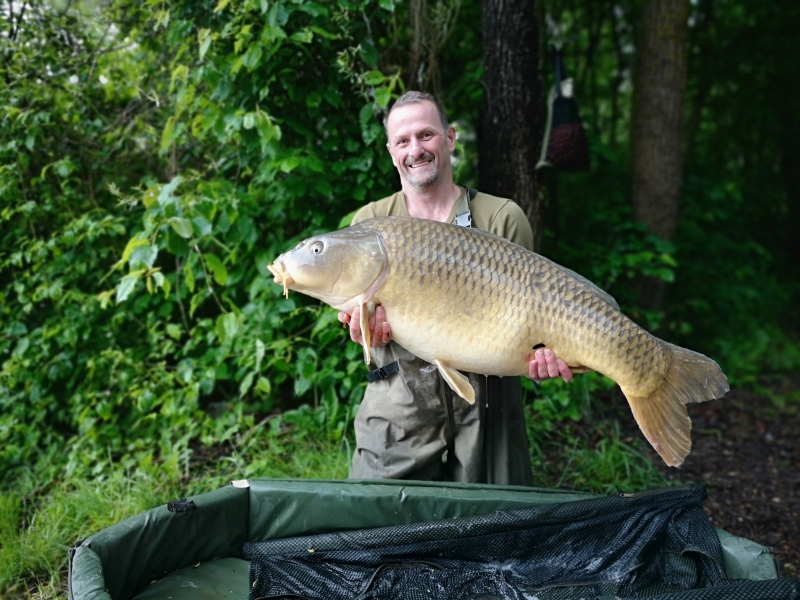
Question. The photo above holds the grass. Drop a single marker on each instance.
(39, 521)
(599, 460)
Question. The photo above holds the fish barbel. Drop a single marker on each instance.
(465, 299)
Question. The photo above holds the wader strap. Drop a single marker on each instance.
(383, 372)
(463, 215)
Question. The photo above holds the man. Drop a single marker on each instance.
(410, 424)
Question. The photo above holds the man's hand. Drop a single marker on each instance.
(545, 365)
(380, 332)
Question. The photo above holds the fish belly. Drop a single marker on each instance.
(481, 304)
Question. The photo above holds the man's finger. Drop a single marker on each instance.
(566, 372)
(550, 361)
(541, 364)
(355, 326)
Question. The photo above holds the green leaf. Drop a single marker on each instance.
(217, 268)
(227, 326)
(198, 299)
(260, 351)
(144, 254)
(278, 15)
(176, 244)
(314, 9)
(221, 5)
(168, 134)
(313, 99)
(323, 32)
(382, 96)
(374, 78)
(263, 385)
(246, 383)
(165, 196)
(202, 226)
(252, 57)
(183, 227)
(369, 54)
(149, 198)
(126, 286)
(162, 282)
(21, 347)
(266, 128)
(188, 275)
(304, 36)
(174, 331)
(132, 245)
(249, 120)
(204, 39)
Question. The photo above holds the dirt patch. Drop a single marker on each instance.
(746, 451)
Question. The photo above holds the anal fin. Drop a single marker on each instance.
(457, 381)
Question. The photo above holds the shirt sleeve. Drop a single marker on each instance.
(365, 212)
(511, 223)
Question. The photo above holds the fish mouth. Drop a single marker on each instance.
(281, 277)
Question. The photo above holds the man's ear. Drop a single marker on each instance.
(451, 138)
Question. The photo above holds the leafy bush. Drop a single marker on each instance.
(176, 150)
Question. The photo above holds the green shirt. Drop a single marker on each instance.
(489, 213)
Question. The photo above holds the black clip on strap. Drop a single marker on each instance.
(383, 372)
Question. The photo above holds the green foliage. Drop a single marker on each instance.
(150, 180)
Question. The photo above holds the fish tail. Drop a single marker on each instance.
(662, 415)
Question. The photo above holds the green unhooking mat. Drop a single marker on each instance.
(648, 545)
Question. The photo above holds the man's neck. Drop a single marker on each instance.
(434, 204)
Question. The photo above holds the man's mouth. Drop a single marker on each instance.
(420, 164)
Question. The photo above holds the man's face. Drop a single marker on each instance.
(419, 145)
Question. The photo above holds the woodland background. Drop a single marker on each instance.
(156, 156)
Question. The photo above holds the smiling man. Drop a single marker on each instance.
(410, 425)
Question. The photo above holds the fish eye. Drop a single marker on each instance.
(317, 247)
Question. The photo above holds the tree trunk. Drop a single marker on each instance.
(657, 124)
(513, 119)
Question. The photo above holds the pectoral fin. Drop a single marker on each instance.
(365, 337)
(457, 381)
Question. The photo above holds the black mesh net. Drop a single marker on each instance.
(649, 545)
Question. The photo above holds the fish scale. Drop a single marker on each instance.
(467, 300)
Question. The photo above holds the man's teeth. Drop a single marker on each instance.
(427, 162)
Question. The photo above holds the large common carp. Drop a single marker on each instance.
(465, 299)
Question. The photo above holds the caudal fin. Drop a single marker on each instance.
(662, 415)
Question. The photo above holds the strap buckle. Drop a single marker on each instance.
(383, 372)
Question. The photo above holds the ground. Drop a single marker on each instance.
(746, 451)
